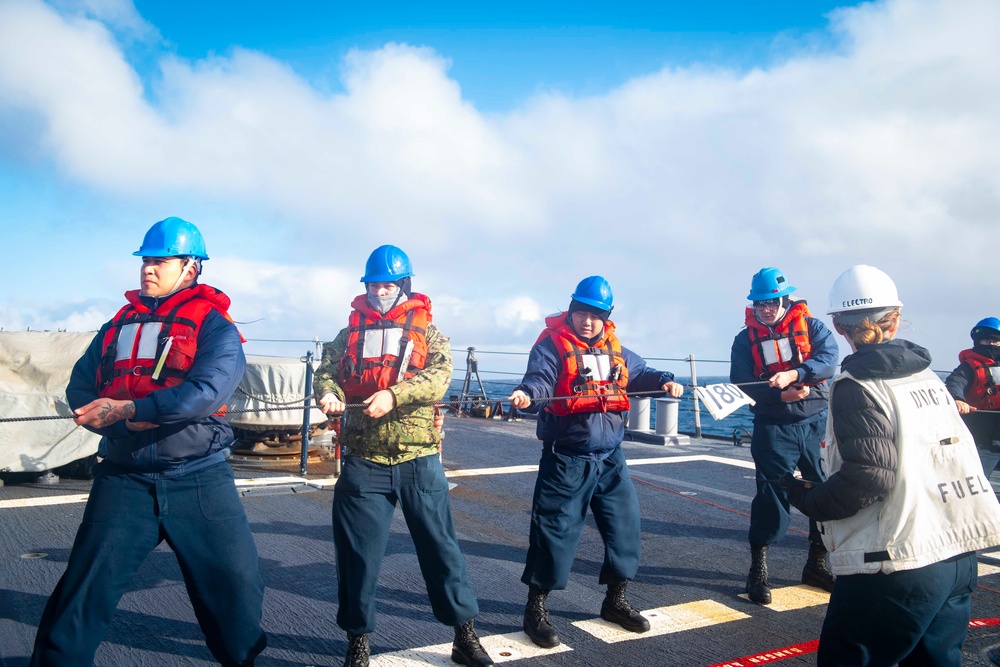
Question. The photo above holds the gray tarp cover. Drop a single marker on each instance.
(34, 371)
(272, 382)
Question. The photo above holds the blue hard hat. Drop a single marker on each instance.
(768, 283)
(386, 264)
(595, 291)
(173, 237)
(986, 328)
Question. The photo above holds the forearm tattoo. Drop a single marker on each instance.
(113, 412)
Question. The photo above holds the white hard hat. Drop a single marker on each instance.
(863, 287)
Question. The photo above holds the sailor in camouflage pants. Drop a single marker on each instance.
(392, 359)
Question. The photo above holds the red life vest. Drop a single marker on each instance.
(983, 393)
(384, 349)
(594, 375)
(146, 350)
(782, 347)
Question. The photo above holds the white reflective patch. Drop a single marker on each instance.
(147, 340)
(126, 342)
(780, 351)
(599, 365)
(995, 374)
(380, 342)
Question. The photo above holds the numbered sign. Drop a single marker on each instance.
(722, 399)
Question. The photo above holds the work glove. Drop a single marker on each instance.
(796, 488)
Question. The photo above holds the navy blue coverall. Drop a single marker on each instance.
(168, 483)
(785, 435)
(582, 466)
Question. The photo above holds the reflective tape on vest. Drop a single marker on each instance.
(779, 352)
(595, 366)
(380, 342)
(148, 335)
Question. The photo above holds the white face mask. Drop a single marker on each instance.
(384, 304)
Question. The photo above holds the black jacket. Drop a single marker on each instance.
(865, 435)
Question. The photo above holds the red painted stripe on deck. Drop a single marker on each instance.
(776, 655)
(805, 648)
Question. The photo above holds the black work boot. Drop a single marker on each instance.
(536, 619)
(817, 570)
(357, 651)
(616, 609)
(758, 590)
(466, 649)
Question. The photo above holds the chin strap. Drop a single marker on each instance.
(180, 278)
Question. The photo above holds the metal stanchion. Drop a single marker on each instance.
(303, 463)
(697, 406)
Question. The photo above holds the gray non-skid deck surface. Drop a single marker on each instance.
(694, 548)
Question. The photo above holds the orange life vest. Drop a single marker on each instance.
(983, 393)
(782, 347)
(595, 375)
(146, 350)
(384, 349)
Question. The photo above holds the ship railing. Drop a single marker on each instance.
(470, 399)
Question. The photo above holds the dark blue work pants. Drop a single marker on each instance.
(917, 618)
(778, 449)
(363, 503)
(127, 515)
(565, 488)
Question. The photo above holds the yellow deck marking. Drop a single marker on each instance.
(790, 598)
(666, 620)
(986, 569)
(502, 648)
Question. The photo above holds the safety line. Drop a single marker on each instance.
(361, 406)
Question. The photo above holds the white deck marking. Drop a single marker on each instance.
(326, 482)
(694, 458)
(665, 620)
(790, 598)
(507, 470)
(71, 498)
(502, 648)
(45, 500)
(269, 481)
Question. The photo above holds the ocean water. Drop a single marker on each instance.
(740, 421)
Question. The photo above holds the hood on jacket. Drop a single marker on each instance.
(885, 361)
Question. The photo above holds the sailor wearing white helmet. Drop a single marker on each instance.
(906, 503)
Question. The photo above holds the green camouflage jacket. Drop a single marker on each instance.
(407, 432)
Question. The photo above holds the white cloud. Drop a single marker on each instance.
(677, 185)
(519, 315)
(119, 14)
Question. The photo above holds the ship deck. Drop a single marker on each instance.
(695, 501)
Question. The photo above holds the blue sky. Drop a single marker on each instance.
(500, 53)
(675, 148)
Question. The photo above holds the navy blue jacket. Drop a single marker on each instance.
(591, 435)
(189, 437)
(769, 408)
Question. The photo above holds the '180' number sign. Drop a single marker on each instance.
(722, 399)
